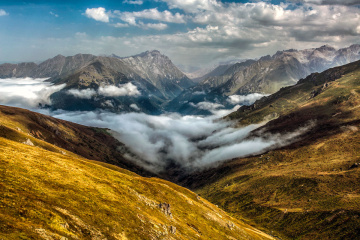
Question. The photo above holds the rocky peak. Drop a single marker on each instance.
(326, 48)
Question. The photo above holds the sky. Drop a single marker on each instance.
(193, 33)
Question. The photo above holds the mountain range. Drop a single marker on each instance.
(266, 75)
(154, 75)
(157, 85)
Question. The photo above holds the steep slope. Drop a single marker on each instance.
(49, 133)
(85, 90)
(49, 195)
(184, 103)
(309, 189)
(160, 71)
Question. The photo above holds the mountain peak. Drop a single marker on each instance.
(150, 53)
(326, 47)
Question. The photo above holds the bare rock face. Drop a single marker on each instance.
(165, 208)
(172, 229)
(29, 142)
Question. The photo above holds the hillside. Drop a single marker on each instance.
(309, 189)
(51, 193)
(58, 135)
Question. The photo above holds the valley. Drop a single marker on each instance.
(107, 159)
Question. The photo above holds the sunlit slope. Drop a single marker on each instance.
(47, 195)
(310, 189)
(47, 132)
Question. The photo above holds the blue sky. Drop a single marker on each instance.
(190, 32)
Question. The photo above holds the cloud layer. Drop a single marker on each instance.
(26, 92)
(127, 89)
(189, 142)
(154, 142)
(245, 99)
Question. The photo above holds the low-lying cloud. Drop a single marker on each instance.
(245, 99)
(26, 92)
(156, 142)
(127, 89)
(191, 142)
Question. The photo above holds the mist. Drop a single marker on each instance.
(27, 92)
(157, 142)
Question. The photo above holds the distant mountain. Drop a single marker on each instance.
(96, 86)
(160, 71)
(156, 77)
(51, 68)
(266, 75)
(285, 68)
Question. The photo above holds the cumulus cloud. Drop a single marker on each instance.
(245, 99)
(152, 14)
(136, 2)
(127, 89)
(156, 26)
(194, 5)
(331, 2)
(26, 92)
(3, 13)
(98, 14)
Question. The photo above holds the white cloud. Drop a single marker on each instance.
(27, 92)
(207, 106)
(215, 108)
(135, 107)
(156, 26)
(136, 2)
(194, 5)
(54, 14)
(127, 89)
(121, 25)
(331, 2)
(245, 99)
(3, 13)
(159, 140)
(153, 14)
(98, 14)
(87, 93)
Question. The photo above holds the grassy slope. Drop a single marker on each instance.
(306, 190)
(47, 195)
(92, 143)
